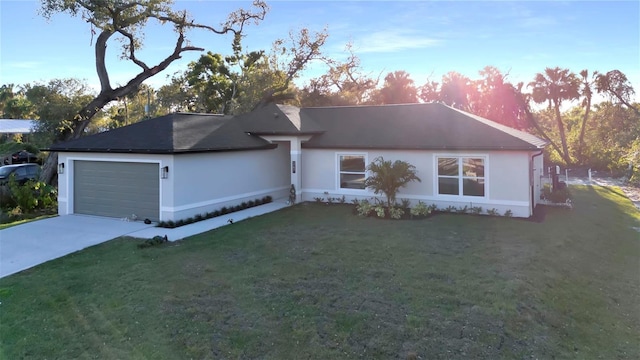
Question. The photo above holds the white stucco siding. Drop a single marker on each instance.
(207, 181)
(509, 176)
(66, 180)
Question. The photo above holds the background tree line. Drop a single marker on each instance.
(557, 104)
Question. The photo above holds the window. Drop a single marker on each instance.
(352, 171)
(461, 176)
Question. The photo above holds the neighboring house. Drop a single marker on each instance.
(12, 127)
(180, 165)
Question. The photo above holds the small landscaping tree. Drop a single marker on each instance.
(388, 177)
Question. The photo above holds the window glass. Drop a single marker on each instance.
(351, 181)
(448, 166)
(352, 171)
(461, 176)
(21, 171)
(352, 163)
(473, 167)
(473, 187)
(32, 170)
(448, 186)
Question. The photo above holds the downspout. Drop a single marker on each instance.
(532, 180)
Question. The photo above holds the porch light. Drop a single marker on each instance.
(165, 172)
(61, 168)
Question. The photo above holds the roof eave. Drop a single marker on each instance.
(166, 152)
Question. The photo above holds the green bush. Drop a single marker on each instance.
(558, 196)
(379, 210)
(421, 209)
(364, 208)
(396, 212)
(32, 195)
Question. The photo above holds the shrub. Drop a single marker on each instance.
(388, 177)
(267, 199)
(406, 203)
(450, 208)
(557, 196)
(157, 240)
(224, 210)
(342, 200)
(318, 200)
(171, 224)
(179, 223)
(32, 195)
(476, 210)
(258, 201)
(462, 210)
(420, 209)
(364, 208)
(251, 203)
(396, 212)
(493, 212)
(508, 213)
(198, 217)
(244, 205)
(216, 213)
(379, 210)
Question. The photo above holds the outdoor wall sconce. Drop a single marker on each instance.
(165, 172)
(293, 166)
(61, 168)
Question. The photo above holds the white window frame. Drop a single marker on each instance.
(339, 172)
(460, 176)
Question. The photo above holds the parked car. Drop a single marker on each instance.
(21, 157)
(22, 172)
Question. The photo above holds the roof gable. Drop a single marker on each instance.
(275, 119)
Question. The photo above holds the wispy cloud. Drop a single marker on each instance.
(23, 65)
(392, 41)
(537, 22)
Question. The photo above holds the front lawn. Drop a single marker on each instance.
(316, 282)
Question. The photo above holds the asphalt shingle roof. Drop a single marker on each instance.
(173, 133)
(411, 126)
(429, 126)
(275, 119)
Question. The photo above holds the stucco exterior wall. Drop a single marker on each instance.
(208, 181)
(66, 181)
(507, 178)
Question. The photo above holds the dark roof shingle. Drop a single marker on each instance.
(173, 133)
(410, 126)
(275, 119)
(413, 126)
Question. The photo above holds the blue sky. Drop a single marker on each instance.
(424, 38)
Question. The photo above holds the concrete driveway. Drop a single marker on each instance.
(30, 244)
(27, 245)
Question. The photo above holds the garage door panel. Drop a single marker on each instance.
(117, 189)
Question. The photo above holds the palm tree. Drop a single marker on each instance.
(398, 88)
(586, 102)
(555, 86)
(387, 177)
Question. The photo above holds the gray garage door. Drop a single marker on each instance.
(117, 189)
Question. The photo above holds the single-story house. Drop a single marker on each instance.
(12, 127)
(183, 164)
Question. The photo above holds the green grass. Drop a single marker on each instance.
(315, 282)
(25, 219)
